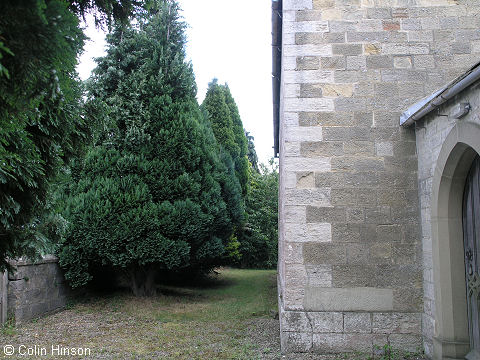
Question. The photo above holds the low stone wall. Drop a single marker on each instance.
(36, 288)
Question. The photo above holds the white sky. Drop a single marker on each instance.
(228, 40)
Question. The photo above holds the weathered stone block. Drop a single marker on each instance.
(312, 232)
(308, 164)
(356, 62)
(384, 148)
(310, 90)
(390, 25)
(307, 15)
(307, 50)
(308, 38)
(408, 299)
(372, 49)
(379, 13)
(361, 179)
(379, 62)
(305, 180)
(355, 215)
(343, 196)
(381, 253)
(335, 343)
(295, 321)
(358, 254)
(305, 27)
(296, 342)
(350, 104)
(357, 322)
(329, 179)
(325, 214)
(324, 253)
(307, 63)
(323, 4)
(365, 148)
(348, 299)
(406, 342)
(391, 197)
(340, 133)
(336, 90)
(347, 49)
(347, 276)
(326, 322)
(400, 323)
(314, 197)
(369, 25)
(353, 233)
(297, 4)
(402, 62)
(405, 253)
(321, 148)
(292, 148)
(293, 253)
(309, 104)
(334, 62)
(366, 197)
(332, 14)
(330, 37)
(346, 76)
(319, 275)
(324, 118)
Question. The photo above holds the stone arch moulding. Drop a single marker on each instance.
(451, 337)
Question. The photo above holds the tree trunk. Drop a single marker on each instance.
(142, 280)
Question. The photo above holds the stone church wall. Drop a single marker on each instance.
(431, 133)
(351, 270)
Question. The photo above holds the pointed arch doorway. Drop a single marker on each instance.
(471, 241)
(452, 336)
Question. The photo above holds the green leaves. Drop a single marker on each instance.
(259, 240)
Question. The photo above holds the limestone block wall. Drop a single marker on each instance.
(36, 288)
(351, 272)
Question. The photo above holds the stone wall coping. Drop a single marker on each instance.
(46, 259)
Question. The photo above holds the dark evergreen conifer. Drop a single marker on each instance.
(41, 126)
(149, 195)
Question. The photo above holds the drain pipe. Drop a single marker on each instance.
(429, 104)
(276, 69)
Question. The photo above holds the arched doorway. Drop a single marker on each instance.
(451, 333)
(471, 241)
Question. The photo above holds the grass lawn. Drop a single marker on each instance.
(226, 318)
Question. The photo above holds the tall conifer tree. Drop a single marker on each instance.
(148, 197)
(222, 113)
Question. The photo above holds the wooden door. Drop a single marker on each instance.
(471, 243)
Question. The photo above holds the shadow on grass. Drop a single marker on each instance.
(182, 288)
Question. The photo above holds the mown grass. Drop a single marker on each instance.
(210, 320)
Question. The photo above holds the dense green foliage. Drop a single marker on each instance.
(260, 236)
(254, 243)
(252, 153)
(150, 195)
(241, 161)
(222, 112)
(107, 11)
(40, 104)
(162, 184)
